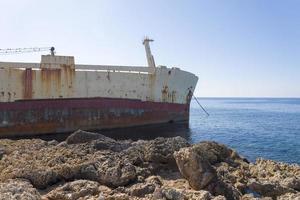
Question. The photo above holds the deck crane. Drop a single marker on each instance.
(26, 50)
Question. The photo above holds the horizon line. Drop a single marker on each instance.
(239, 97)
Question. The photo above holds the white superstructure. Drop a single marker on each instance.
(59, 77)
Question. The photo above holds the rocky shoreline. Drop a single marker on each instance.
(91, 166)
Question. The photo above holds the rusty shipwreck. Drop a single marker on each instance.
(56, 96)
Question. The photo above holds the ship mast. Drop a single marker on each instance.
(150, 58)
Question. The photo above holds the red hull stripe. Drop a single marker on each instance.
(29, 117)
(91, 103)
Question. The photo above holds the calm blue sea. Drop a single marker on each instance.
(255, 127)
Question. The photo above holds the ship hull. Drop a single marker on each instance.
(57, 96)
(44, 116)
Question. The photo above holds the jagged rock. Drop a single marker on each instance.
(198, 195)
(40, 178)
(160, 150)
(52, 164)
(119, 196)
(112, 145)
(155, 180)
(291, 182)
(2, 151)
(157, 194)
(81, 136)
(274, 178)
(214, 153)
(116, 173)
(289, 196)
(173, 194)
(105, 168)
(195, 168)
(53, 142)
(155, 154)
(269, 189)
(141, 189)
(182, 194)
(136, 153)
(219, 197)
(22, 146)
(141, 169)
(74, 190)
(104, 189)
(274, 171)
(224, 189)
(98, 141)
(14, 189)
(237, 176)
(251, 197)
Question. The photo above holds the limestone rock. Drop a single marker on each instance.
(2, 151)
(198, 195)
(141, 189)
(157, 194)
(274, 178)
(182, 194)
(195, 168)
(292, 182)
(173, 194)
(92, 166)
(251, 197)
(269, 189)
(160, 150)
(289, 196)
(15, 189)
(155, 180)
(155, 154)
(119, 196)
(214, 152)
(22, 146)
(219, 197)
(81, 136)
(40, 178)
(116, 173)
(274, 171)
(74, 190)
(112, 145)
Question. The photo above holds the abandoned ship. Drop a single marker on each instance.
(57, 95)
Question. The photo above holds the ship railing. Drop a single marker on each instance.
(4, 65)
(100, 68)
(114, 68)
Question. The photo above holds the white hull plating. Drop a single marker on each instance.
(58, 77)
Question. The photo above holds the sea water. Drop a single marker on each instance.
(255, 127)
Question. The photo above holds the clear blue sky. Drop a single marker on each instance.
(243, 48)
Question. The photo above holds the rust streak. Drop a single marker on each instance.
(27, 83)
(51, 82)
(68, 79)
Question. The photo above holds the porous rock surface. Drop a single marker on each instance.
(92, 166)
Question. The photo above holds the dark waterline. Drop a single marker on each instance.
(147, 132)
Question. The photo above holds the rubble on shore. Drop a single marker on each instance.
(90, 166)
